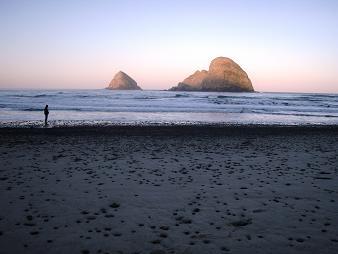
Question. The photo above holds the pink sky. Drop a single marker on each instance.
(287, 46)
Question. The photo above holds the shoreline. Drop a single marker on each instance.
(173, 129)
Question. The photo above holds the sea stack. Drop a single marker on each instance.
(224, 75)
(122, 81)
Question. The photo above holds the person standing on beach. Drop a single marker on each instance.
(46, 112)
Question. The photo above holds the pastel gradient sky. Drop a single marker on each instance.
(289, 45)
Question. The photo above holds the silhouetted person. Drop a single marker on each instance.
(46, 114)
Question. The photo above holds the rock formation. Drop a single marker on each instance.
(224, 75)
(122, 81)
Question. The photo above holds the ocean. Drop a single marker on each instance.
(72, 107)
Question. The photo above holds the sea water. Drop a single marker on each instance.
(166, 107)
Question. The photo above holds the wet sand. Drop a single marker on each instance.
(169, 190)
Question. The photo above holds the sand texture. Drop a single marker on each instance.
(174, 191)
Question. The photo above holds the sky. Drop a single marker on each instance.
(284, 46)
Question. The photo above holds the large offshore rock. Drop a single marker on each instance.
(224, 75)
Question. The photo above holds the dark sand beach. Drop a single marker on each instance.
(182, 189)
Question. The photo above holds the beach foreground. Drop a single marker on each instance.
(169, 189)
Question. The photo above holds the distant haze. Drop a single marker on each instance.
(282, 45)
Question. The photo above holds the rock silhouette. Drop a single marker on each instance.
(224, 75)
(122, 81)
